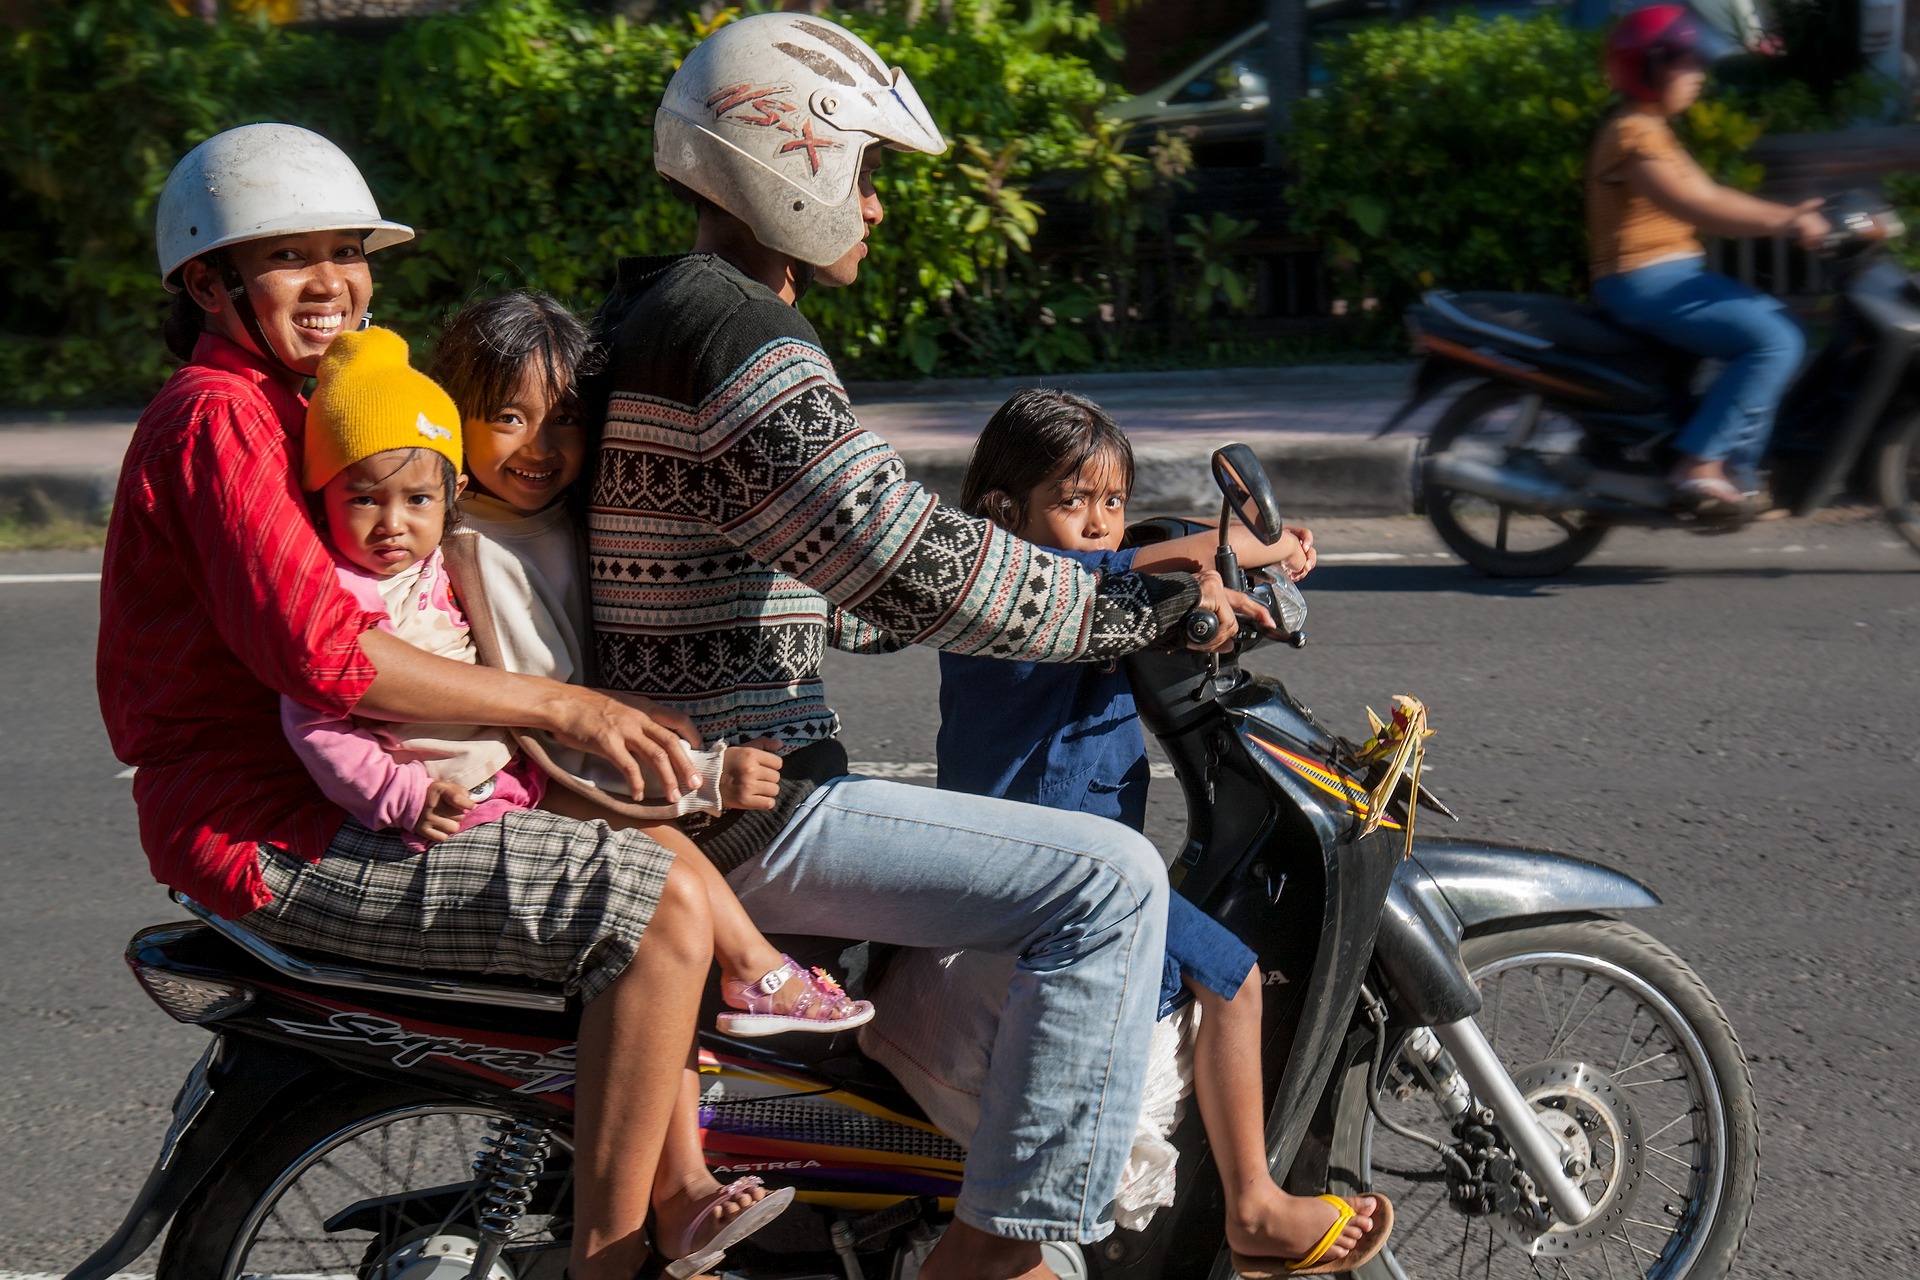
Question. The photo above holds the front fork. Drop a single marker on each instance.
(1461, 1068)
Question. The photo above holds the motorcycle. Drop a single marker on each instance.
(1452, 1023)
(1566, 428)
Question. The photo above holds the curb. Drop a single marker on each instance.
(1340, 375)
(1336, 476)
(1312, 476)
(36, 498)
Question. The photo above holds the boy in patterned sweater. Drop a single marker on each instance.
(742, 520)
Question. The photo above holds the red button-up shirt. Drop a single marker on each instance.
(218, 597)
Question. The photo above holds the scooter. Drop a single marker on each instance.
(1455, 1024)
(1566, 428)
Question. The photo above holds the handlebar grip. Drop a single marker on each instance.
(1201, 626)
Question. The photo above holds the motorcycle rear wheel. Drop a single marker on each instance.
(264, 1214)
(1896, 473)
(1609, 997)
(1500, 541)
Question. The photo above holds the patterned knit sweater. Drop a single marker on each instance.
(742, 520)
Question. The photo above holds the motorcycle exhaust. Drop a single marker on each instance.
(1502, 485)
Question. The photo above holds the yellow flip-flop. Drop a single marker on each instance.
(1248, 1268)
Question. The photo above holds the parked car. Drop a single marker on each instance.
(1221, 100)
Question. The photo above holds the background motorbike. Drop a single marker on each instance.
(1452, 1023)
(1567, 425)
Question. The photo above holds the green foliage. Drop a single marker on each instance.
(97, 101)
(1452, 153)
(1209, 242)
(518, 142)
(1903, 189)
(516, 137)
(1718, 134)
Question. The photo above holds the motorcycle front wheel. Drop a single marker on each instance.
(277, 1209)
(1627, 1056)
(1504, 541)
(1896, 474)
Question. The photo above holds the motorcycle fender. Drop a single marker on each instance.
(1449, 887)
(233, 1083)
(1484, 883)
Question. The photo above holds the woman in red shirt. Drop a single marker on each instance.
(218, 597)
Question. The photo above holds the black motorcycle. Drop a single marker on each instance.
(1454, 1024)
(1567, 428)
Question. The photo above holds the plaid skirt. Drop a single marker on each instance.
(533, 894)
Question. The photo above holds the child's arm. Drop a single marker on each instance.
(355, 771)
(1293, 552)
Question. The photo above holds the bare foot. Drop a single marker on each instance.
(1269, 1223)
(679, 1206)
(968, 1253)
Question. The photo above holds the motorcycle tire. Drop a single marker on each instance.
(1494, 556)
(233, 1226)
(1435, 1237)
(1896, 474)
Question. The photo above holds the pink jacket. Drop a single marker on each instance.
(365, 767)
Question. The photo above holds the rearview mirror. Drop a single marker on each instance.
(1248, 492)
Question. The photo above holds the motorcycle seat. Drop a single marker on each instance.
(1566, 324)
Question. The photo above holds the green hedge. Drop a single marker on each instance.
(515, 137)
(1452, 153)
(96, 104)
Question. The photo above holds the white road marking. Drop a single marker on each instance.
(925, 769)
(1361, 557)
(127, 772)
(21, 579)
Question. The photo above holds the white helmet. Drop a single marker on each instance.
(263, 180)
(768, 118)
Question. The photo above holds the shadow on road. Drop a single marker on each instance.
(1458, 579)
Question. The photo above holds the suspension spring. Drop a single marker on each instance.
(509, 1162)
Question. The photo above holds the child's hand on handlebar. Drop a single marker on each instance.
(1230, 607)
(1300, 564)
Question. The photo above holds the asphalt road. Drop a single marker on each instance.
(1736, 721)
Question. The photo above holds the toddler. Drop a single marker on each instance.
(1052, 468)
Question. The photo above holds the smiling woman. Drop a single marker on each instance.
(219, 600)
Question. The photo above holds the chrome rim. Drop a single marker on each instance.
(410, 1148)
(1661, 1153)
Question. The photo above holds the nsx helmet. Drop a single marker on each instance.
(1646, 41)
(768, 118)
(257, 181)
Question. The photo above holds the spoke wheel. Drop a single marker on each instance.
(1503, 541)
(1627, 1058)
(1896, 466)
(267, 1213)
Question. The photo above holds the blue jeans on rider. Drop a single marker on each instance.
(1073, 910)
(1684, 304)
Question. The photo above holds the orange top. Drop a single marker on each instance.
(1625, 229)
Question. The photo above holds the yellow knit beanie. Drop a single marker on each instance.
(368, 400)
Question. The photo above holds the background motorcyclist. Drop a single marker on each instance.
(1647, 202)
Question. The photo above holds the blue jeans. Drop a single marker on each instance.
(1684, 304)
(1069, 912)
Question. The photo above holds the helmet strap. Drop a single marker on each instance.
(802, 280)
(249, 318)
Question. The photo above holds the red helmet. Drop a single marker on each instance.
(1648, 39)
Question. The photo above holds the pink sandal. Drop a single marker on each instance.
(749, 1220)
(822, 1006)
